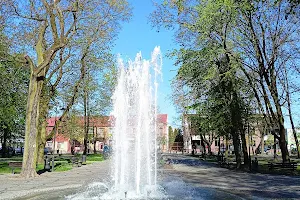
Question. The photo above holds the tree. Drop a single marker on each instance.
(52, 27)
(172, 136)
(258, 35)
(288, 99)
(13, 91)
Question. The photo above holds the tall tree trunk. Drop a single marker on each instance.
(294, 134)
(262, 142)
(44, 108)
(291, 119)
(32, 117)
(41, 141)
(203, 144)
(283, 144)
(208, 143)
(244, 148)
(280, 119)
(268, 72)
(209, 149)
(236, 145)
(86, 120)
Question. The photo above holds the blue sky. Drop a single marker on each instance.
(138, 35)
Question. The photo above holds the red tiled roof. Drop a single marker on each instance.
(103, 121)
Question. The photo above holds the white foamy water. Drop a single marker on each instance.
(135, 132)
(134, 160)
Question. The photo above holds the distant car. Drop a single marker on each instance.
(19, 150)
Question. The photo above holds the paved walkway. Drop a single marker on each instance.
(211, 182)
(12, 186)
(247, 185)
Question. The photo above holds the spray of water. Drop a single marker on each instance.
(135, 129)
(134, 147)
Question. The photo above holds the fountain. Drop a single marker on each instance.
(134, 163)
(134, 160)
(134, 136)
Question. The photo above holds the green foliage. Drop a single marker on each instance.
(216, 90)
(172, 135)
(13, 92)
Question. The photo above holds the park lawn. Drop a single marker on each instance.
(94, 158)
(4, 169)
(61, 164)
(263, 168)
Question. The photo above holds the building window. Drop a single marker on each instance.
(91, 130)
(60, 145)
(217, 143)
(101, 132)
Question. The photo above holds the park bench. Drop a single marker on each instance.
(289, 165)
(14, 165)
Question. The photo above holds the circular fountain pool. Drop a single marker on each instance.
(168, 190)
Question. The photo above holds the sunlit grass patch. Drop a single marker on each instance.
(94, 157)
(62, 166)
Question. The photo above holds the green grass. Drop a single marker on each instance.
(94, 157)
(4, 169)
(61, 164)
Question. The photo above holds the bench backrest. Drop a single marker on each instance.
(15, 164)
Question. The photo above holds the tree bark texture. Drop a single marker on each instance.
(32, 116)
(236, 145)
(244, 148)
(42, 132)
(291, 120)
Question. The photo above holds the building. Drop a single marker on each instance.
(291, 140)
(163, 134)
(255, 140)
(70, 134)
